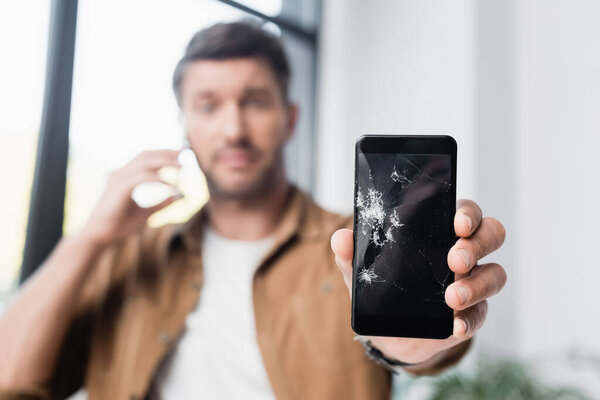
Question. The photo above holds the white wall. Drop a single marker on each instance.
(558, 159)
(517, 83)
(397, 67)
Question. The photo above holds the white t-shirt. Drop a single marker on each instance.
(217, 356)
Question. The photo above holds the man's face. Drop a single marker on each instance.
(237, 123)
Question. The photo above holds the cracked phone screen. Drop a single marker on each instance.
(403, 231)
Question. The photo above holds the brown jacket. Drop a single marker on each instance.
(134, 308)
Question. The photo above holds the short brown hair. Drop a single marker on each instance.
(232, 40)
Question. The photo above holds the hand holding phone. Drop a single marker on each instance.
(374, 303)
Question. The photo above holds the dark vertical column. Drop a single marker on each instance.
(46, 211)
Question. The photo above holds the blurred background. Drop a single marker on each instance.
(84, 86)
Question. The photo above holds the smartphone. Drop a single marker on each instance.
(404, 206)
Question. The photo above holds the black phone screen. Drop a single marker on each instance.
(404, 208)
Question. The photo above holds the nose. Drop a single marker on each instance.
(233, 122)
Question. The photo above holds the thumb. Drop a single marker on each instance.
(343, 248)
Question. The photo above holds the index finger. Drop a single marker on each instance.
(467, 218)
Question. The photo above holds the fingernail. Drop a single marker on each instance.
(331, 242)
(463, 294)
(460, 325)
(466, 257)
(338, 262)
(469, 222)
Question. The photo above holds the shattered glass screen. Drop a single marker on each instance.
(403, 230)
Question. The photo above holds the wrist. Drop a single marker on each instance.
(91, 239)
(375, 354)
(442, 360)
(94, 235)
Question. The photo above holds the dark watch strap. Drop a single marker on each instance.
(376, 355)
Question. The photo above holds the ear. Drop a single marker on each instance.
(292, 119)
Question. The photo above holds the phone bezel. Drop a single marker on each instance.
(404, 326)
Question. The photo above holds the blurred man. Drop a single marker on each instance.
(243, 301)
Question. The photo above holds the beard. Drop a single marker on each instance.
(251, 188)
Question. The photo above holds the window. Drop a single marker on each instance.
(23, 42)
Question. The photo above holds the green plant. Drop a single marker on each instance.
(499, 379)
